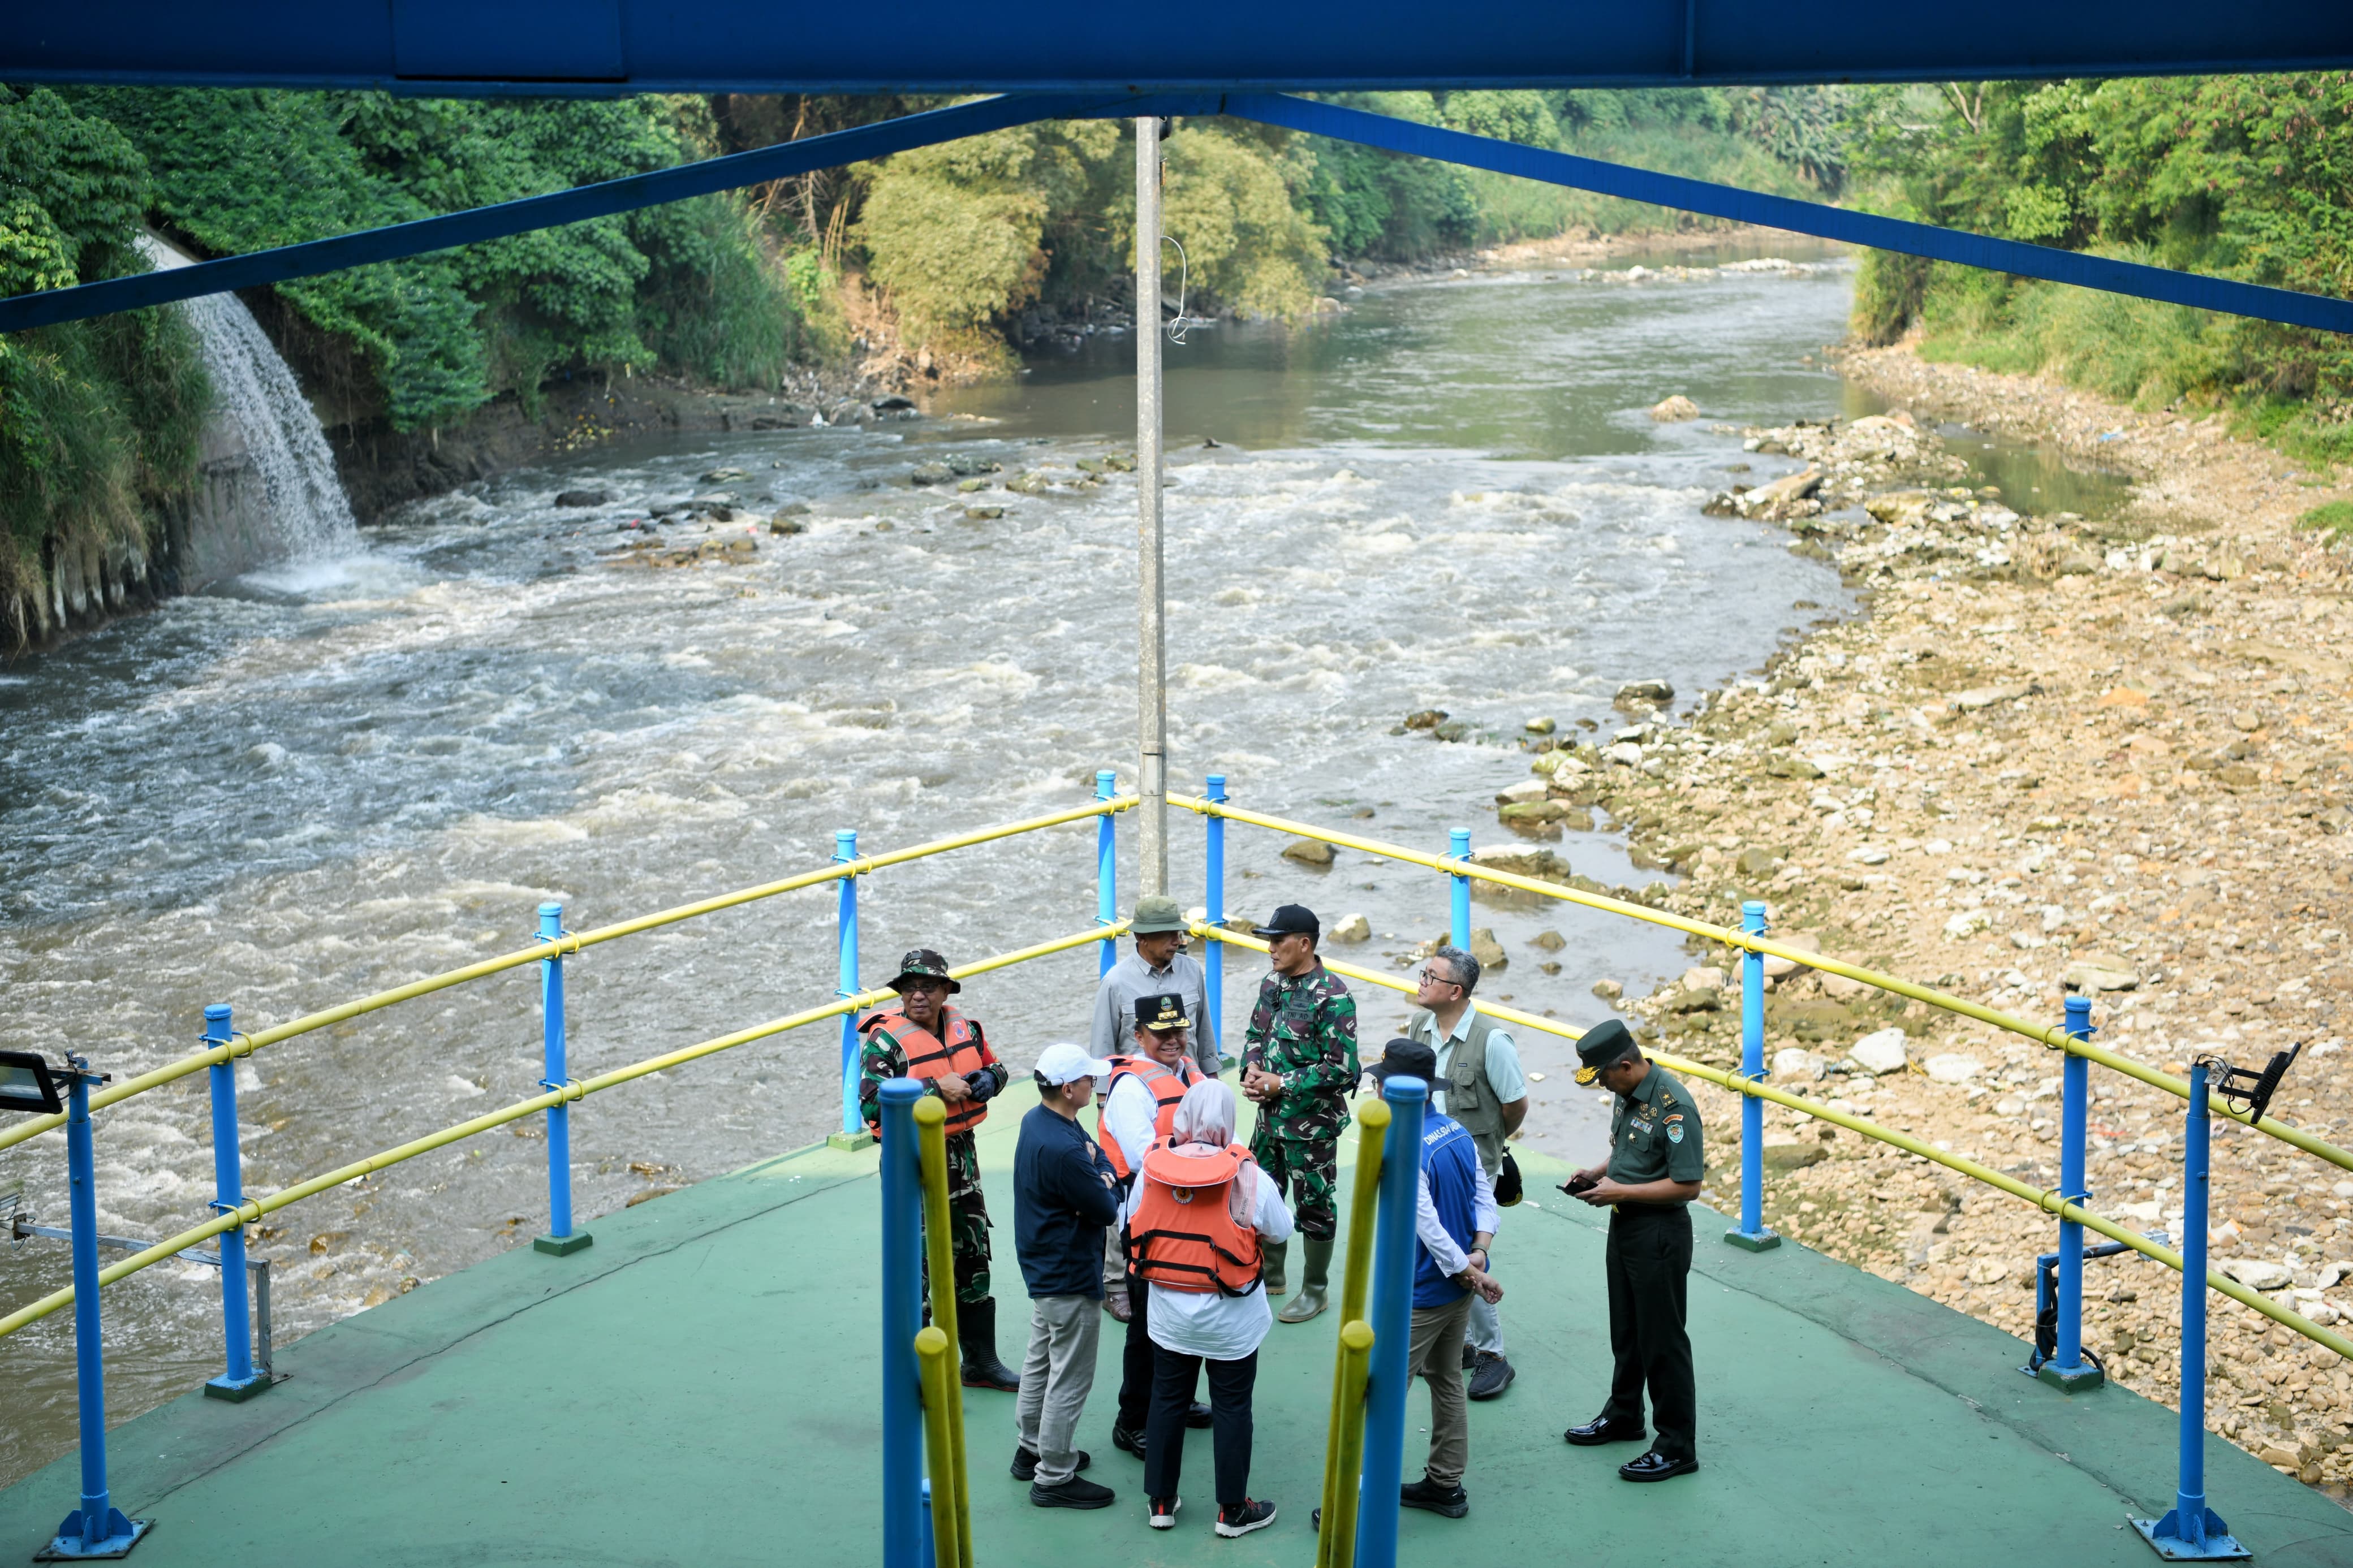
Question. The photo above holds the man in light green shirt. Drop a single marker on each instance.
(1481, 1084)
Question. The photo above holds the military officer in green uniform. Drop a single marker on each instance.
(927, 1036)
(1299, 1063)
(1656, 1161)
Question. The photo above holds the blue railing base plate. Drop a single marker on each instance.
(563, 1246)
(2081, 1380)
(237, 1391)
(2219, 1546)
(1763, 1241)
(68, 1548)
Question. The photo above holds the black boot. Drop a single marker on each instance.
(977, 1327)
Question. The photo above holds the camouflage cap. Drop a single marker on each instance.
(924, 961)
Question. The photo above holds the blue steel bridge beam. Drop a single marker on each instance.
(313, 258)
(611, 47)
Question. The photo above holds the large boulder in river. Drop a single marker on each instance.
(1674, 409)
(583, 497)
(1651, 693)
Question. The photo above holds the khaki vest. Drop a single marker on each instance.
(1470, 1098)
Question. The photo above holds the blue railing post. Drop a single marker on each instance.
(1392, 1320)
(561, 1239)
(1213, 952)
(2066, 1369)
(1106, 868)
(1751, 1233)
(2193, 1533)
(239, 1381)
(853, 1133)
(904, 1538)
(1459, 847)
(96, 1529)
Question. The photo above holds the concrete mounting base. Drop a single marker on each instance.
(1763, 1241)
(241, 1390)
(2083, 1380)
(2219, 1546)
(850, 1142)
(562, 1246)
(68, 1548)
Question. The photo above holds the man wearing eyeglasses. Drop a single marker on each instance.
(1481, 1084)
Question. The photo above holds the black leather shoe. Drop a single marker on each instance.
(1126, 1441)
(1656, 1467)
(1451, 1502)
(1197, 1416)
(1601, 1430)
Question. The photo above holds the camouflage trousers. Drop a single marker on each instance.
(967, 1223)
(1306, 1172)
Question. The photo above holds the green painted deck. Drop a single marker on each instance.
(697, 1388)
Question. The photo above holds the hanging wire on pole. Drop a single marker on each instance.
(1179, 324)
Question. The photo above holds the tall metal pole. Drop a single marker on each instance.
(560, 1240)
(97, 1529)
(239, 1381)
(1150, 597)
(2066, 1368)
(853, 1133)
(1213, 952)
(1458, 846)
(1392, 1320)
(1106, 869)
(1751, 1231)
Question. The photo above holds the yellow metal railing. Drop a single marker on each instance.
(254, 1209)
(245, 1045)
(2046, 1199)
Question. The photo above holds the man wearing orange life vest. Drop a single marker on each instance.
(1198, 1228)
(923, 1036)
(1139, 1111)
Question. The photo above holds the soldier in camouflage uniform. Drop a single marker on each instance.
(925, 1038)
(1299, 1063)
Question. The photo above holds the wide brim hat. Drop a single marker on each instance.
(1154, 916)
(923, 962)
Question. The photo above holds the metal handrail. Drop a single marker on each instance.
(539, 950)
(252, 1209)
(2055, 1035)
(2048, 1199)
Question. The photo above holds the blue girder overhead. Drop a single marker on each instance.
(443, 47)
(429, 235)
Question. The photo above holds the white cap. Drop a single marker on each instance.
(1066, 1063)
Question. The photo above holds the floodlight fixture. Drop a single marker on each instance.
(28, 1083)
(2253, 1088)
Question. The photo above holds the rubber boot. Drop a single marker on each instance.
(1310, 1301)
(977, 1327)
(1275, 1257)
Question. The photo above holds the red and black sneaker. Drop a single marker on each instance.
(1164, 1511)
(1253, 1515)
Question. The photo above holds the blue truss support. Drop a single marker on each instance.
(424, 235)
(2105, 273)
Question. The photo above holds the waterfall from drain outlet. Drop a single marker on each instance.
(271, 493)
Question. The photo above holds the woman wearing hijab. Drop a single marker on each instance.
(1199, 1215)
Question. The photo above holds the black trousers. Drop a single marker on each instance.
(1174, 1378)
(1649, 1256)
(1135, 1362)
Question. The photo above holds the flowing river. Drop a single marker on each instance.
(341, 774)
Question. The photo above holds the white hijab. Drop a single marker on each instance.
(1205, 1124)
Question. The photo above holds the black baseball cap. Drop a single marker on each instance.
(1402, 1058)
(1291, 919)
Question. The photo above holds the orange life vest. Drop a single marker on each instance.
(963, 1053)
(1167, 1086)
(1183, 1234)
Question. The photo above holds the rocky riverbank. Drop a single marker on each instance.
(2052, 756)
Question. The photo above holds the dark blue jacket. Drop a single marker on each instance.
(1450, 1159)
(1063, 1200)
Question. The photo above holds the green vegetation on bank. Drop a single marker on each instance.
(98, 419)
(2246, 177)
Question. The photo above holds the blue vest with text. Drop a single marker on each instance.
(1450, 1159)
